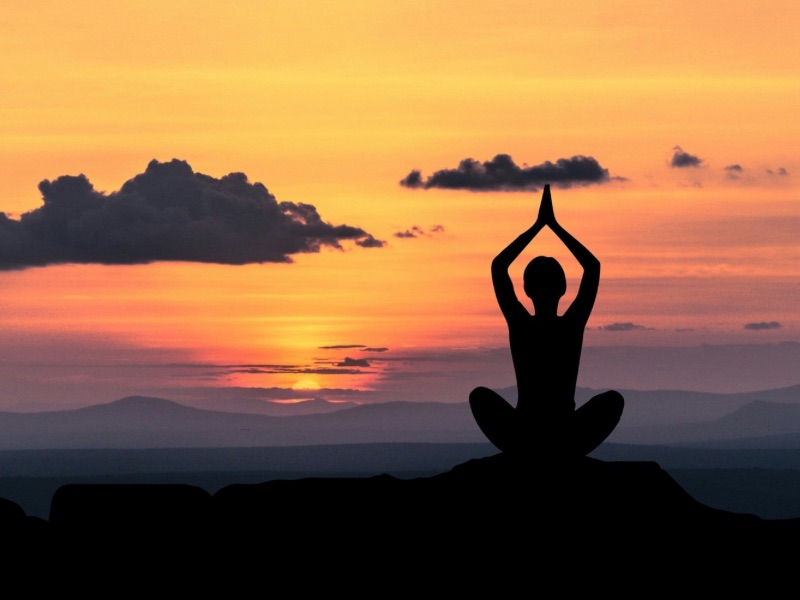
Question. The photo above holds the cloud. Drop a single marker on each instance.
(353, 362)
(780, 172)
(681, 159)
(416, 231)
(733, 171)
(381, 349)
(410, 233)
(625, 326)
(289, 369)
(167, 213)
(370, 242)
(762, 325)
(342, 346)
(503, 174)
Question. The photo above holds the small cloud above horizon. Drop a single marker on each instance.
(370, 242)
(361, 347)
(282, 370)
(682, 159)
(167, 213)
(353, 362)
(780, 172)
(416, 231)
(623, 326)
(733, 172)
(762, 325)
(502, 174)
(341, 346)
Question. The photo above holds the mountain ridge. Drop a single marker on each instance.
(152, 422)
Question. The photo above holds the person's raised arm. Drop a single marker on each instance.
(590, 281)
(503, 286)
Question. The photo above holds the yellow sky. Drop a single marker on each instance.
(332, 104)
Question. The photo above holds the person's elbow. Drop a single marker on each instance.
(499, 266)
(593, 265)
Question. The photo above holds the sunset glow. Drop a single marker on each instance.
(332, 105)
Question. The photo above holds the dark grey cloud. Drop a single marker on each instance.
(625, 326)
(734, 168)
(167, 213)
(353, 362)
(681, 159)
(416, 231)
(342, 346)
(370, 242)
(380, 349)
(503, 174)
(762, 325)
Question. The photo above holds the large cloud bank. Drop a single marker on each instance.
(503, 174)
(167, 213)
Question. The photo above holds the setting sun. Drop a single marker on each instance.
(306, 384)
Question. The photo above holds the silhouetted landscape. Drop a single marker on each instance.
(745, 457)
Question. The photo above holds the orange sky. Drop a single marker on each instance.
(331, 104)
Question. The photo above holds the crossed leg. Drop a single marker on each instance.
(596, 419)
(592, 423)
(495, 417)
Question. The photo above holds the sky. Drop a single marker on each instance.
(287, 200)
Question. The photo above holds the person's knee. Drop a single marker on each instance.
(614, 401)
(609, 403)
(479, 395)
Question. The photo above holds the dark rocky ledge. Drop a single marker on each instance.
(488, 516)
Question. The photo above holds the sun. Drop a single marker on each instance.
(306, 384)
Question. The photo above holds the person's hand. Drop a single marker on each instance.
(546, 214)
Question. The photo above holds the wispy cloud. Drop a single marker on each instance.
(780, 172)
(623, 326)
(762, 325)
(342, 346)
(416, 231)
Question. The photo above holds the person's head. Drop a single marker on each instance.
(544, 280)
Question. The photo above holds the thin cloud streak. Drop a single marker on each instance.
(762, 325)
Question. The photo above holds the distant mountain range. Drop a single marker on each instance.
(143, 422)
(766, 419)
(758, 424)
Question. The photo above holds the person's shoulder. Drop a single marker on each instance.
(574, 320)
(519, 317)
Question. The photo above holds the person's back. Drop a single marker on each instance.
(546, 350)
(546, 355)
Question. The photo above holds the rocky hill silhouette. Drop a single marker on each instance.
(491, 516)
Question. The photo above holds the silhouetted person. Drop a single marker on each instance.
(546, 351)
